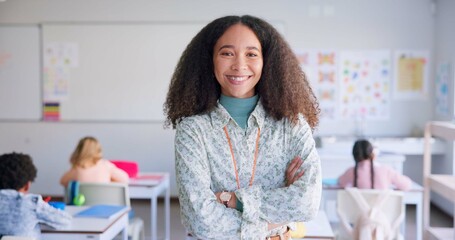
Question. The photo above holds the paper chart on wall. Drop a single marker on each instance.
(442, 89)
(320, 66)
(58, 60)
(411, 74)
(365, 78)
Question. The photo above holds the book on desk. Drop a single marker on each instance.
(329, 182)
(101, 211)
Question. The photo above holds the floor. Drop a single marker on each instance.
(438, 218)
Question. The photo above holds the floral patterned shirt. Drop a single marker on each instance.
(204, 166)
(21, 214)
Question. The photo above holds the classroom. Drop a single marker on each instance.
(102, 68)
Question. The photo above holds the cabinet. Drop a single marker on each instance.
(444, 185)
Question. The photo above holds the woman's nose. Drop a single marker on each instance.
(239, 64)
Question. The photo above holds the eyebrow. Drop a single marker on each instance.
(232, 46)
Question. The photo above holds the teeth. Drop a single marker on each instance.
(238, 79)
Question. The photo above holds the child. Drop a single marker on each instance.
(88, 165)
(20, 211)
(366, 174)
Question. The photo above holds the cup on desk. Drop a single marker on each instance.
(58, 205)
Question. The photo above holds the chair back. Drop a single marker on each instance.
(103, 193)
(350, 209)
(109, 193)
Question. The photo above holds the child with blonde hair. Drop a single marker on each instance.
(88, 165)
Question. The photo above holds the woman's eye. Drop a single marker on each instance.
(227, 54)
(251, 55)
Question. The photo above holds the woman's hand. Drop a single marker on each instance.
(291, 172)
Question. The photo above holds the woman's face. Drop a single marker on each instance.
(237, 59)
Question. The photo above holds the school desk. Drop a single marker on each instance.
(150, 186)
(412, 197)
(318, 228)
(89, 227)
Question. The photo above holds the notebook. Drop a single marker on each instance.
(101, 211)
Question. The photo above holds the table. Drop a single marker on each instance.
(319, 228)
(89, 228)
(412, 197)
(148, 185)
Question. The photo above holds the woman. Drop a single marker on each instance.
(244, 114)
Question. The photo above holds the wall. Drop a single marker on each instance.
(335, 24)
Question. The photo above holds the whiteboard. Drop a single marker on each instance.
(117, 72)
(20, 97)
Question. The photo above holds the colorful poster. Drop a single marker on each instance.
(51, 111)
(58, 59)
(58, 54)
(365, 78)
(411, 74)
(320, 66)
(442, 89)
(56, 83)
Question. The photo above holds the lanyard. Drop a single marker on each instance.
(235, 163)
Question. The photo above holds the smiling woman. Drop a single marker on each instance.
(246, 161)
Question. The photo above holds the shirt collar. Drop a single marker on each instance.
(220, 116)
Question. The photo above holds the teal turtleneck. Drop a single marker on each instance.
(239, 108)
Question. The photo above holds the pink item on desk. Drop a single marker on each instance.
(146, 179)
(129, 167)
(156, 177)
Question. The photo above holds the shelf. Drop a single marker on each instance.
(443, 184)
(438, 183)
(444, 130)
(440, 233)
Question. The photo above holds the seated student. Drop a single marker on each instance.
(367, 174)
(88, 165)
(20, 211)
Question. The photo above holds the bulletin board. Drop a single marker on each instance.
(20, 97)
(111, 72)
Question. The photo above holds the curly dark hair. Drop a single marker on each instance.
(283, 88)
(16, 170)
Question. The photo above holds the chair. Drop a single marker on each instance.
(109, 193)
(354, 204)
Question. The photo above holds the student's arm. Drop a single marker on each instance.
(117, 174)
(67, 177)
(401, 182)
(347, 178)
(51, 216)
